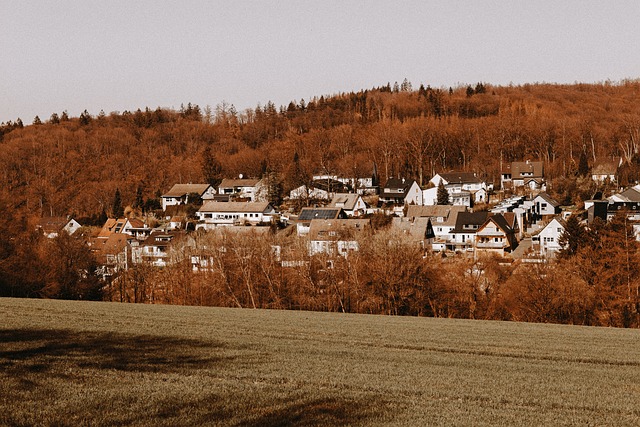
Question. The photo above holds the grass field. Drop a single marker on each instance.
(81, 363)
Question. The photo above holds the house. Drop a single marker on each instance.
(523, 174)
(495, 236)
(418, 230)
(215, 214)
(400, 191)
(52, 226)
(154, 250)
(112, 254)
(547, 239)
(241, 188)
(352, 204)
(443, 220)
(467, 225)
(463, 198)
(321, 188)
(464, 188)
(308, 214)
(336, 236)
(129, 226)
(631, 194)
(179, 194)
(605, 168)
(545, 206)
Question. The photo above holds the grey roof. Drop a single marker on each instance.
(180, 190)
(548, 199)
(346, 201)
(447, 212)
(307, 214)
(630, 195)
(343, 228)
(518, 168)
(242, 207)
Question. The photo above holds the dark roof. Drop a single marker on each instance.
(518, 168)
(398, 183)
(631, 194)
(308, 214)
(459, 177)
(606, 166)
(469, 219)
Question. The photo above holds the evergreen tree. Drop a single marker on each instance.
(85, 118)
(583, 164)
(37, 121)
(443, 194)
(572, 238)
(64, 117)
(54, 119)
(211, 168)
(117, 210)
(139, 200)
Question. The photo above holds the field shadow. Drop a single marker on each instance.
(24, 351)
(328, 411)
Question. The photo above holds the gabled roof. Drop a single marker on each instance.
(547, 198)
(557, 219)
(343, 228)
(606, 166)
(499, 221)
(398, 183)
(518, 168)
(180, 190)
(469, 219)
(240, 182)
(447, 212)
(161, 238)
(630, 195)
(459, 177)
(233, 207)
(111, 226)
(417, 228)
(307, 214)
(112, 245)
(53, 224)
(347, 201)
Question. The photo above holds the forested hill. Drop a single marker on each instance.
(67, 165)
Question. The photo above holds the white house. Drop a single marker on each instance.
(244, 188)
(548, 238)
(443, 220)
(214, 214)
(606, 169)
(179, 194)
(53, 226)
(545, 205)
(400, 191)
(352, 204)
(463, 235)
(495, 236)
(336, 236)
(521, 174)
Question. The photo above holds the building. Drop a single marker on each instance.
(241, 188)
(547, 240)
(523, 174)
(336, 236)
(216, 214)
(52, 226)
(352, 204)
(495, 236)
(179, 194)
(399, 191)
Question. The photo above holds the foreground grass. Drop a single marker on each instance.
(80, 363)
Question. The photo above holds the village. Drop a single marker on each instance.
(455, 214)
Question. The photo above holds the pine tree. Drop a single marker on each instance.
(572, 238)
(583, 164)
(211, 168)
(443, 194)
(117, 210)
(37, 121)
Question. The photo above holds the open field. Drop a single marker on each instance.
(81, 363)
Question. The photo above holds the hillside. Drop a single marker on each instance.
(66, 165)
(71, 363)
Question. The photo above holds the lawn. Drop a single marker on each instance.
(83, 363)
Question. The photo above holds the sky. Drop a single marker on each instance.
(125, 55)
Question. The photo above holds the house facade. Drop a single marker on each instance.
(399, 191)
(352, 204)
(523, 174)
(241, 188)
(217, 214)
(179, 194)
(336, 237)
(495, 237)
(51, 227)
(547, 240)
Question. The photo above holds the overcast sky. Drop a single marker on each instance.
(124, 55)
